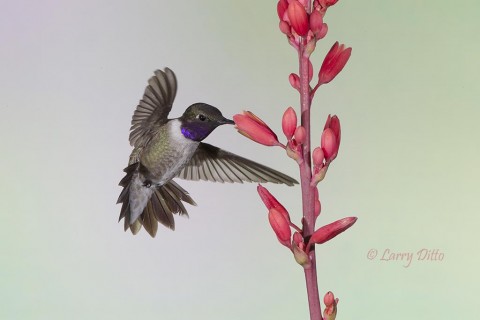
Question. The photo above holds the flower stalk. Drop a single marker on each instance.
(302, 22)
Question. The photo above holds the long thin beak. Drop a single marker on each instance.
(227, 121)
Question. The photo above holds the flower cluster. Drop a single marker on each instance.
(302, 21)
(324, 155)
(303, 30)
(281, 224)
(298, 25)
(251, 126)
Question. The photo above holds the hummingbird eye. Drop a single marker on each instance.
(201, 117)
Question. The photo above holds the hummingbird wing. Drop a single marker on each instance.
(210, 163)
(153, 109)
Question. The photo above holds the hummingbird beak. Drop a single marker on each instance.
(226, 121)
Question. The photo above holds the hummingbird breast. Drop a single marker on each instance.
(167, 153)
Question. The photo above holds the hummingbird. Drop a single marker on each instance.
(164, 149)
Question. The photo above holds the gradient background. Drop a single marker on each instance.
(71, 75)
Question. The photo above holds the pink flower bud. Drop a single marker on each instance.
(322, 33)
(289, 122)
(329, 144)
(294, 81)
(300, 135)
(282, 6)
(332, 142)
(297, 238)
(329, 299)
(280, 226)
(318, 156)
(271, 202)
(334, 62)
(316, 22)
(255, 129)
(284, 28)
(330, 311)
(331, 230)
(335, 126)
(298, 18)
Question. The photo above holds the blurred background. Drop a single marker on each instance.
(72, 73)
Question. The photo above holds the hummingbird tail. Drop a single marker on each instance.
(163, 201)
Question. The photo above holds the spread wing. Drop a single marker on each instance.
(210, 163)
(153, 109)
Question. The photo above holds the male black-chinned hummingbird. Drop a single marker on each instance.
(164, 149)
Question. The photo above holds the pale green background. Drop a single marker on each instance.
(73, 71)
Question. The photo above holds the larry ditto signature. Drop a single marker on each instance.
(406, 257)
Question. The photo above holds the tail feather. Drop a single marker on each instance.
(163, 202)
(161, 210)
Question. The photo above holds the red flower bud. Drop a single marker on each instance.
(334, 62)
(300, 135)
(280, 226)
(331, 230)
(318, 157)
(329, 299)
(316, 22)
(284, 28)
(282, 6)
(331, 139)
(329, 144)
(323, 32)
(330, 311)
(298, 18)
(289, 122)
(297, 238)
(271, 202)
(294, 81)
(255, 129)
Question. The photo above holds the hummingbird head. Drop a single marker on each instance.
(200, 119)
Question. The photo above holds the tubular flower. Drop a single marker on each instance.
(331, 230)
(331, 137)
(329, 144)
(289, 122)
(271, 202)
(280, 226)
(255, 129)
(317, 26)
(333, 63)
(298, 18)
